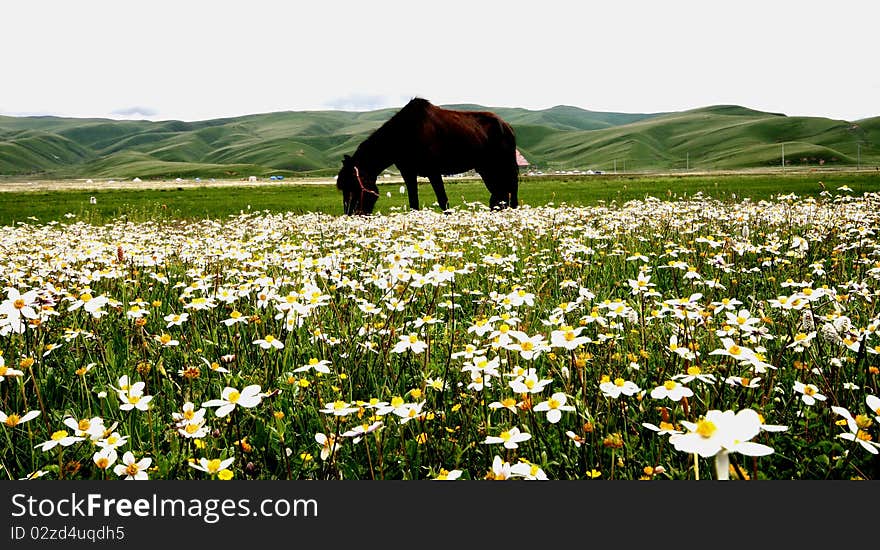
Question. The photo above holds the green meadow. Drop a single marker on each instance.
(219, 202)
(635, 328)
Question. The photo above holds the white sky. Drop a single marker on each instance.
(196, 60)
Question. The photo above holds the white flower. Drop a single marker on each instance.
(59, 438)
(175, 319)
(856, 433)
(731, 349)
(720, 433)
(249, 397)
(810, 393)
(410, 411)
(500, 469)
(104, 458)
(509, 438)
(554, 407)
(529, 383)
(268, 342)
(13, 419)
(358, 432)
(528, 471)
(93, 428)
(567, 338)
(319, 366)
(448, 475)
(618, 386)
(212, 466)
(873, 403)
(409, 342)
(671, 389)
(665, 428)
(338, 408)
(329, 444)
(131, 469)
(134, 398)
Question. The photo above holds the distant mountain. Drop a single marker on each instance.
(313, 142)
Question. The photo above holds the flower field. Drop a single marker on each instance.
(657, 339)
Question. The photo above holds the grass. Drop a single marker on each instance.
(216, 202)
(419, 345)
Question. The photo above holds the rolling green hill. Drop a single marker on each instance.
(313, 142)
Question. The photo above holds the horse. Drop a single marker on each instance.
(422, 139)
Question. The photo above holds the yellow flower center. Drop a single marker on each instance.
(619, 382)
(213, 465)
(12, 420)
(670, 384)
(132, 469)
(553, 403)
(504, 435)
(59, 435)
(809, 390)
(735, 350)
(102, 462)
(18, 304)
(233, 396)
(706, 428)
(694, 370)
(83, 425)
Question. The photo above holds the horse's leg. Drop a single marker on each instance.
(440, 191)
(489, 181)
(412, 188)
(514, 190)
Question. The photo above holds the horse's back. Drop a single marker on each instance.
(452, 141)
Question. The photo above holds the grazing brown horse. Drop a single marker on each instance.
(425, 140)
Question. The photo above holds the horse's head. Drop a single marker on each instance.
(359, 191)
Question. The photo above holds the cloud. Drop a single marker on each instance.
(135, 111)
(364, 102)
